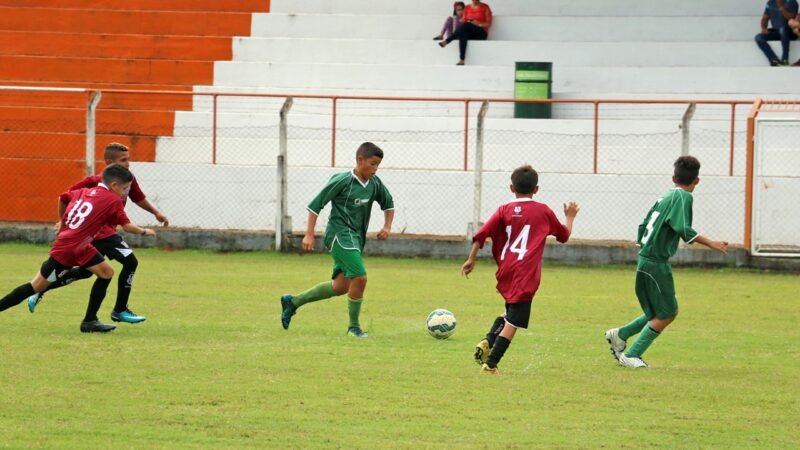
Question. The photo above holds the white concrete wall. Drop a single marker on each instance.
(427, 202)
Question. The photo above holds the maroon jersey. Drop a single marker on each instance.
(88, 211)
(134, 192)
(518, 231)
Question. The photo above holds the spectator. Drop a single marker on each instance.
(778, 13)
(477, 21)
(452, 23)
(794, 24)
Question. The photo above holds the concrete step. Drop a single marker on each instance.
(529, 7)
(514, 27)
(497, 53)
(497, 81)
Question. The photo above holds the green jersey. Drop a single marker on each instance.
(667, 221)
(351, 205)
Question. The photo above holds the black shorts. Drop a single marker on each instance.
(113, 247)
(52, 270)
(518, 315)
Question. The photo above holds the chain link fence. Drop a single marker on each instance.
(216, 166)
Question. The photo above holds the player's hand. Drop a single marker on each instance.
(764, 31)
(149, 232)
(720, 246)
(57, 227)
(384, 233)
(308, 242)
(467, 268)
(163, 219)
(571, 209)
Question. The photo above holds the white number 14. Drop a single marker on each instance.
(520, 245)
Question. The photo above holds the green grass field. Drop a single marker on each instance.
(212, 367)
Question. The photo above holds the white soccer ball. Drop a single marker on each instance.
(441, 323)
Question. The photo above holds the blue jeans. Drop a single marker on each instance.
(784, 34)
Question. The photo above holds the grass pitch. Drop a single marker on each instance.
(212, 367)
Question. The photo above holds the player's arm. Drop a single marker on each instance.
(764, 23)
(388, 218)
(308, 239)
(147, 206)
(570, 211)
(469, 264)
(135, 229)
(62, 209)
(487, 230)
(720, 246)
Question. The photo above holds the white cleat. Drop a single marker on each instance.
(632, 361)
(617, 344)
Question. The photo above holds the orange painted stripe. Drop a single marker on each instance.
(150, 5)
(72, 120)
(27, 201)
(70, 146)
(112, 100)
(97, 86)
(117, 46)
(42, 68)
(125, 22)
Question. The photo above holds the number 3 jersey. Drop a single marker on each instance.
(518, 231)
(669, 220)
(88, 211)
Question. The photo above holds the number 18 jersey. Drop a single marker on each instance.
(518, 231)
(88, 211)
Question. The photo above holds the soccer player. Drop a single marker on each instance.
(518, 231)
(668, 221)
(108, 241)
(88, 211)
(351, 195)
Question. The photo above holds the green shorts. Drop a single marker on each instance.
(655, 289)
(346, 261)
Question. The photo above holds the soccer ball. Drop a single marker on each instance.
(441, 323)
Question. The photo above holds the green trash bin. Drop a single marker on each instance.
(533, 81)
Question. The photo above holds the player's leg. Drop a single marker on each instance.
(70, 276)
(483, 347)
(355, 274)
(517, 316)
(763, 44)
(658, 293)
(290, 303)
(115, 248)
(46, 275)
(104, 272)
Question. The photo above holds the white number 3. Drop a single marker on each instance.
(649, 227)
(520, 245)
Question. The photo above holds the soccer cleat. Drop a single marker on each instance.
(34, 300)
(127, 316)
(617, 343)
(356, 332)
(482, 351)
(95, 326)
(287, 310)
(632, 361)
(486, 370)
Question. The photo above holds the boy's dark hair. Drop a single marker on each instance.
(686, 170)
(456, 4)
(117, 173)
(368, 150)
(524, 179)
(113, 150)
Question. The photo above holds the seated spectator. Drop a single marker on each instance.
(452, 22)
(477, 21)
(778, 13)
(794, 24)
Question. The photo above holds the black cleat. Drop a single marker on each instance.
(95, 326)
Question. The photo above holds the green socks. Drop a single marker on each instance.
(319, 292)
(644, 340)
(354, 310)
(632, 328)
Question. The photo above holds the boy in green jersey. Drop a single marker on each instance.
(351, 195)
(669, 220)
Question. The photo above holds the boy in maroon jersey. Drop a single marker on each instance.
(518, 231)
(109, 242)
(88, 211)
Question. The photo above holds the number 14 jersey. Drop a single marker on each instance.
(518, 231)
